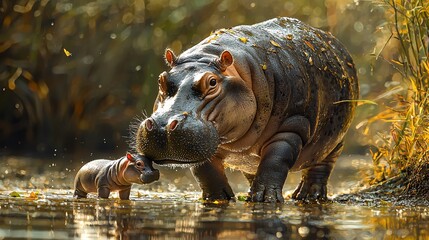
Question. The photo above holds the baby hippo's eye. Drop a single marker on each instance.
(139, 165)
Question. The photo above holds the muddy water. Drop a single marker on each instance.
(43, 208)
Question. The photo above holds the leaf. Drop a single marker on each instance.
(274, 43)
(397, 62)
(67, 53)
(33, 195)
(241, 198)
(14, 194)
(243, 39)
(216, 36)
(360, 101)
(309, 45)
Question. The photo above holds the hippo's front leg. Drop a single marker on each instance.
(212, 180)
(277, 158)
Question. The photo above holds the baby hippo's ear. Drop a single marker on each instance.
(170, 57)
(130, 157)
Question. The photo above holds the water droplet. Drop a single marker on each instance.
(303, 231)
(113, 36)
(138, 68)
(252, 5)
(358, 26)
(17, 105)
(52, 23)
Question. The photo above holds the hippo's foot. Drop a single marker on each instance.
(261, 193)
(313, 183)
(311, 190)
(314, 180)
(222, 193)
(212, 180)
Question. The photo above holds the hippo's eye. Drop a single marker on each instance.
(213, 82)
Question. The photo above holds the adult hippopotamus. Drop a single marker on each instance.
(265, 99)
(104, 176)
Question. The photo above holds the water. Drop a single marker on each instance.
(171, 209)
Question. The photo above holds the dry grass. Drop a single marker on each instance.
(406, 148)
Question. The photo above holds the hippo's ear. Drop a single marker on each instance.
(170, 58)
(225, 60)
(130, 157)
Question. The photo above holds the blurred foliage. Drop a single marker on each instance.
(405, 147)
(74, 74)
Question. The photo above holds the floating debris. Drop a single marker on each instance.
(67, 53)
(14, 194)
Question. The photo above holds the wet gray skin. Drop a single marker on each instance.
(264, 99)
(104, 176)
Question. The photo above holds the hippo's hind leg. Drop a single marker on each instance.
(315, 179)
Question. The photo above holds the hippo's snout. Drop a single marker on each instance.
(179, 138)
(149, 124)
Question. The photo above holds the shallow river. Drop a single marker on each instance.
(36, 202)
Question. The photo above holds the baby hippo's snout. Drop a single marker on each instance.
(178, 138)
(148, 173)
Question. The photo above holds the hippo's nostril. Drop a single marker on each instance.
(148, 124)
(173, 125)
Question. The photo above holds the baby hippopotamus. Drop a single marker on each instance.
(103, 176)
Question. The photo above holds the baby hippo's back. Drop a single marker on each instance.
(87, 177)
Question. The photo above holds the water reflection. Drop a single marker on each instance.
(176, 213)
(174, 218)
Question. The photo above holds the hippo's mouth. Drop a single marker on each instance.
(172, 162)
